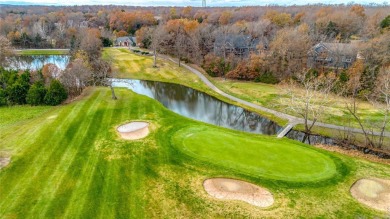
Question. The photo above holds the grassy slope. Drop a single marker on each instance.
(42, 52)
(14, 114)
(68, 162)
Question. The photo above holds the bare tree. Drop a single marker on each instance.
(5, 50)
(76, 76)
(180, 43)
(103, 74)
(381, 101)
(157, 36)
(352, 104)
(310, 103)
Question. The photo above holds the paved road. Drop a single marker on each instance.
(292, 119)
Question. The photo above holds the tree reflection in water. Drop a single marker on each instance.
(35, 62)
(203, 107)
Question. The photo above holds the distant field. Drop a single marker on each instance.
(43, 52)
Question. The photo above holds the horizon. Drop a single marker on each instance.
(192, 3)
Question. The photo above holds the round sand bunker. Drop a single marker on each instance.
(231, 189)
(372, 192)
(4, 161)
(134, 130)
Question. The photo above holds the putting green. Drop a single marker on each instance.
(261, 156)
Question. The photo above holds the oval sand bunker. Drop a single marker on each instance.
(231, 189)
(134, 130)
(372, 192)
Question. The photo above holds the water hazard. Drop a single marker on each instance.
(35, 62)
(202, 107)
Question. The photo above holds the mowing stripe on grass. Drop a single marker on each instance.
(80, 193)
(31, 160)
(43, 178)
(62, 159)
(109, 185)
(80, 148)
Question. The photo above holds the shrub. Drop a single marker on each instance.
(3, 97)
(55, 94)
(36, 94)
(243, 71)
(385, 22)
(267, 78)
(17, 92)
(216, 66)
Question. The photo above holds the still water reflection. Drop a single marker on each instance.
(200, 106)
(35, 62)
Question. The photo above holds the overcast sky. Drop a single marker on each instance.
(185, 2)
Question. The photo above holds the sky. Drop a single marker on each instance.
(194, 3)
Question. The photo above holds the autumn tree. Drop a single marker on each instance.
(289, 50)
(121, 33)
(78, 74)
(91, 44)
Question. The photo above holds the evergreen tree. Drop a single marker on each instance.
(17, 92)
(36, 94)
(3, 97)
(55, 94)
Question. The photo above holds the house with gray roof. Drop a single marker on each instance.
(333, 55)
(235, 44)
(123, 41)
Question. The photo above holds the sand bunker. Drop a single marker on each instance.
(372, 192)
(134, 130)
(4, 161)
(231, 189)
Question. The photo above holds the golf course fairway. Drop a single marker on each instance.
(69, 161)
(258, 155)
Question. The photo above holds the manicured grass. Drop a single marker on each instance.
(127, 64)
(14, 114)
(69, 162)
(43, 52)
(256, 155)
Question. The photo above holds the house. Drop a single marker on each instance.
(123, 41)
(333, 55)
(239, 45)
(126, 41)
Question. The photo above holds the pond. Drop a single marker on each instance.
(203, 107)
(34, 62)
